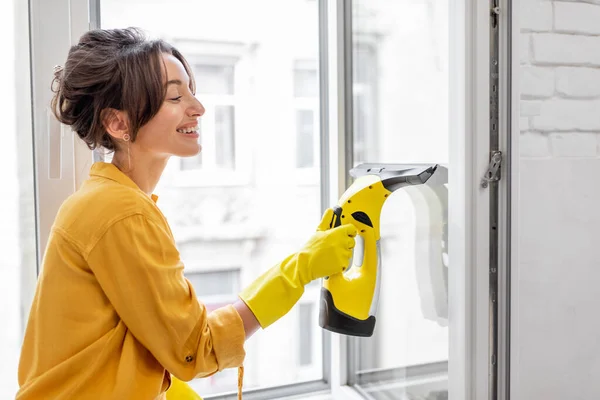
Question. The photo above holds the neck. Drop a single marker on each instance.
(144, 170)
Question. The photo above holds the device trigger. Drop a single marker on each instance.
(337, 217)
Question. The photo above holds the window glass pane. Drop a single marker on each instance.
(305, 128)
(306, 83)
(224, 136)
(305, 349)
(213, 283)
(400, 88)
(191, 163)
(213, 79)
(215, 87)
(226, 208)
(306, 93)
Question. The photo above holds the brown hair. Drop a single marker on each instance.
(116, 68)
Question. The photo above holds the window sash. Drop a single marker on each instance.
(469, 152)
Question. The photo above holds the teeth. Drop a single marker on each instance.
(188, 130)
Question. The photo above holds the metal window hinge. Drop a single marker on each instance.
(493, 172)
(495, 7)
(495, 13)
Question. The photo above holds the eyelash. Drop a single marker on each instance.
(176, 98)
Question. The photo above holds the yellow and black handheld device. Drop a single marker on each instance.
(349, 299)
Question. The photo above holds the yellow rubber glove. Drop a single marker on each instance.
(275, 292)
(180, 390)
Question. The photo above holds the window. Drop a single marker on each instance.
(399, 109)
(305, 347)
(231, 209)
(215, 89)
(305, 139)
(215, 288)
(306, 107)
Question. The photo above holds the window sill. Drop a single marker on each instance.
(341, 393)
(312, 396)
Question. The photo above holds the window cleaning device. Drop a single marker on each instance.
(349, 299)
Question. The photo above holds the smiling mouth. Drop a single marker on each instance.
(193, 129)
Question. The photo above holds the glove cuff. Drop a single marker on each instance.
(274, 293)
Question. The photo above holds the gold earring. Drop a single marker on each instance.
(126, 138)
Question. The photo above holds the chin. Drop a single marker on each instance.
(189, 152)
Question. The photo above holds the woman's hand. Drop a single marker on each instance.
(275, 292)
(328, 251)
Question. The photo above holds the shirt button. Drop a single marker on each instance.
(189, 358)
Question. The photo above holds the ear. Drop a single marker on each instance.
(115, 122)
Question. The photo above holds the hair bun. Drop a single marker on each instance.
(118, 69)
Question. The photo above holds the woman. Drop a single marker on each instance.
(113, 316)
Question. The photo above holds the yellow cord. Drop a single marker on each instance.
(240, 381)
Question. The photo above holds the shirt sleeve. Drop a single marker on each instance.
(137, 265)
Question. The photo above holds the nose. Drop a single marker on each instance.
(196, 109)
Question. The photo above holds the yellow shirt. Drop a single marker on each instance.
(113, 314)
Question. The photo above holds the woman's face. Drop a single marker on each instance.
(173, 131)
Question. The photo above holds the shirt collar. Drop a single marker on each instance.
(110, 171)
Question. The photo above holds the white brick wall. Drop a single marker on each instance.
(536, 15)
(560, 76)
(558, 114)
(555, 330)
(578, 82)
(565, 49)
(579, 18)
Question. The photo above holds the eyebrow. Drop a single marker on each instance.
(174, 82)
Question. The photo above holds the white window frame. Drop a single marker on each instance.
(510, 37)
(24, 125)
(56, 24)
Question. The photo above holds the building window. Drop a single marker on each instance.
(306, 106)
(215, 288)
(305, 80)
(225, 136)
(215, 88)
(305, 332)
(214, 79)
(305, 137)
